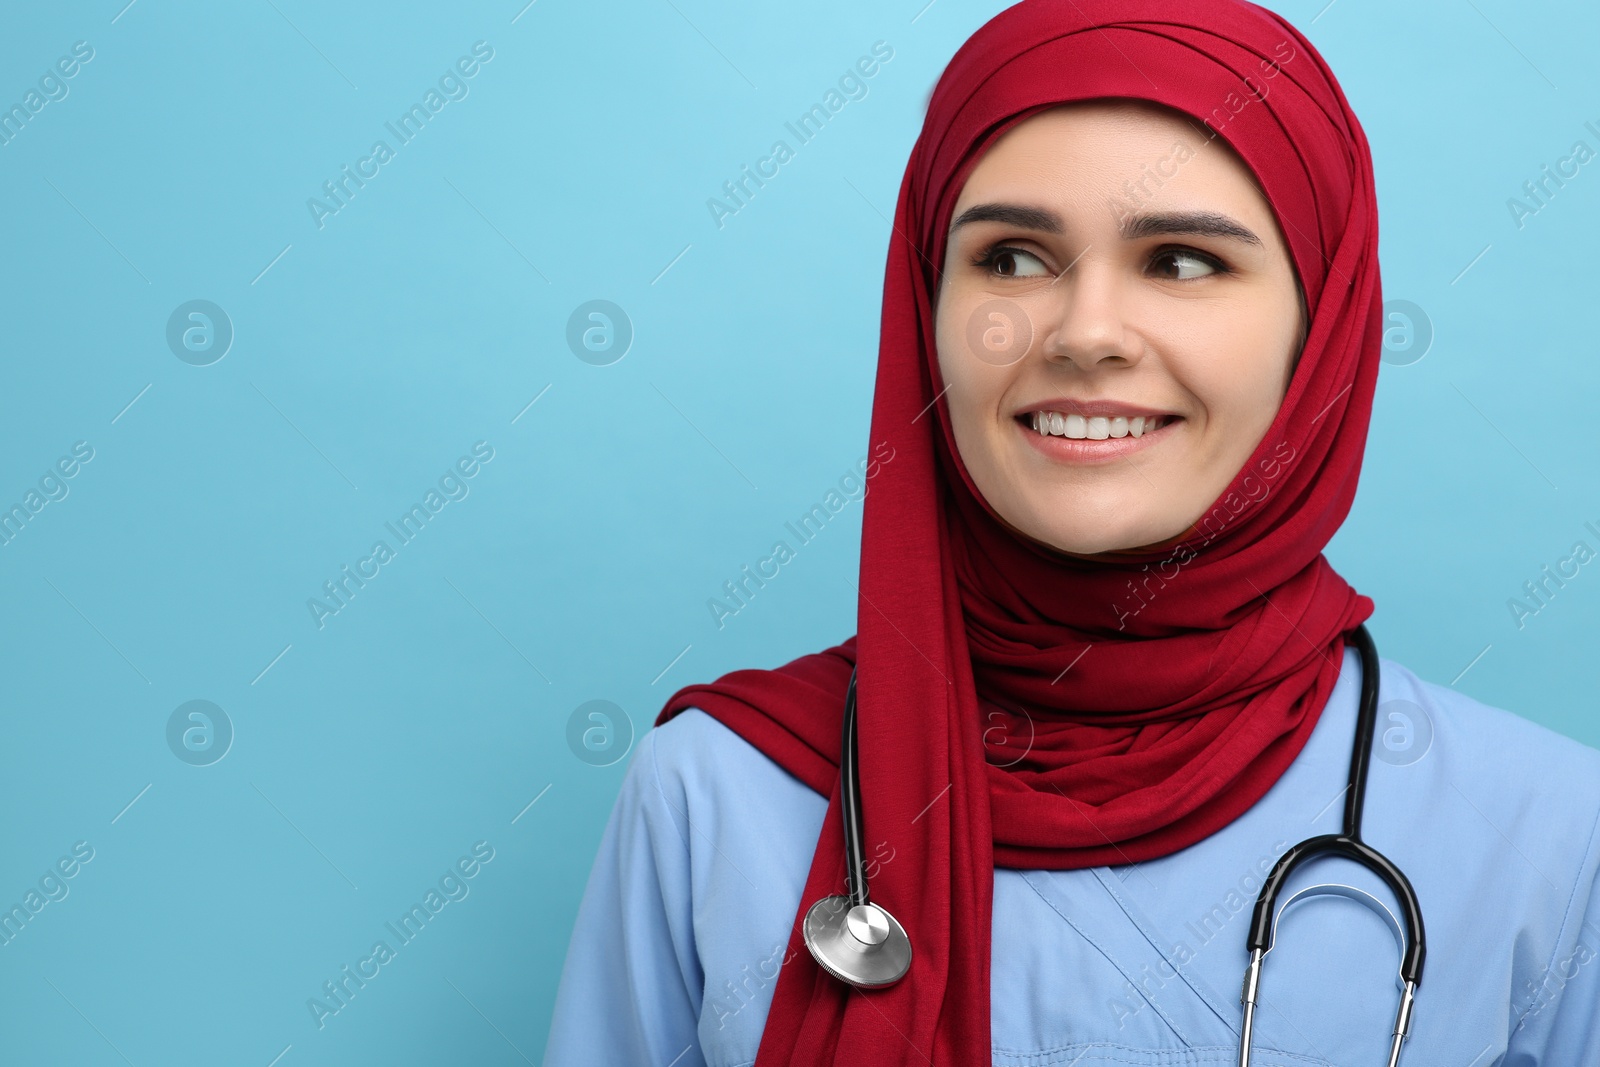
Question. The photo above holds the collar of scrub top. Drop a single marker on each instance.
(862, 944)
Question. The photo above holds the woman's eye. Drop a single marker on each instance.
(1185, 263)
(1007, 262)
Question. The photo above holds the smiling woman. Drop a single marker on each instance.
(1158, 364)
(1104, 671)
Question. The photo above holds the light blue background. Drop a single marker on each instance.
(427, 315)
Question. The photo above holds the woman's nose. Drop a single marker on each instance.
(1084, 318)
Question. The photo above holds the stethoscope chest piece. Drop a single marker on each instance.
(862, 944)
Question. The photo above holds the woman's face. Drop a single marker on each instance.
(1106, 262)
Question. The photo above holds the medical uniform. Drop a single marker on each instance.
(686, 920)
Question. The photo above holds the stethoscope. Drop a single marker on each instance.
(860, 943)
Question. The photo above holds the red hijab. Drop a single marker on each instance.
(1157, 693)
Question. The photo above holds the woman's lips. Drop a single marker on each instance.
(1073, 450)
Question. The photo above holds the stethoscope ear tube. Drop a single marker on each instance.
(1348, 843)
(1261, 919)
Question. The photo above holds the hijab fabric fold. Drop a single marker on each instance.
(1024, 708)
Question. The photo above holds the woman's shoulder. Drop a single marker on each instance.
(1487, 784)
(696, 748)
(700, 764)
(1498, 820)
(1498, 743)
(746, 830)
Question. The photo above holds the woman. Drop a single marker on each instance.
(1104, 677)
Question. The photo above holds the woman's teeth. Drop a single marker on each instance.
(1098, 428)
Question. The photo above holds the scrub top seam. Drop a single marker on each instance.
(1178, 1031)
(695, 993)
(655, 764)
(1566, 916)
(1139, 921)
(1148, 1057)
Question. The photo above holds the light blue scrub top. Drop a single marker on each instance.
(686, 918)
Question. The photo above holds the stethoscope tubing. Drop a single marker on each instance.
(850, 803)
(858, 930)
(1348, 842)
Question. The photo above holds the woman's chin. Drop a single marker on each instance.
(1086, 542)
(1080, 540)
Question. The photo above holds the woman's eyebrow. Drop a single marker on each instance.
(1027, 218)
(1131, 227)
(1197, 223)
